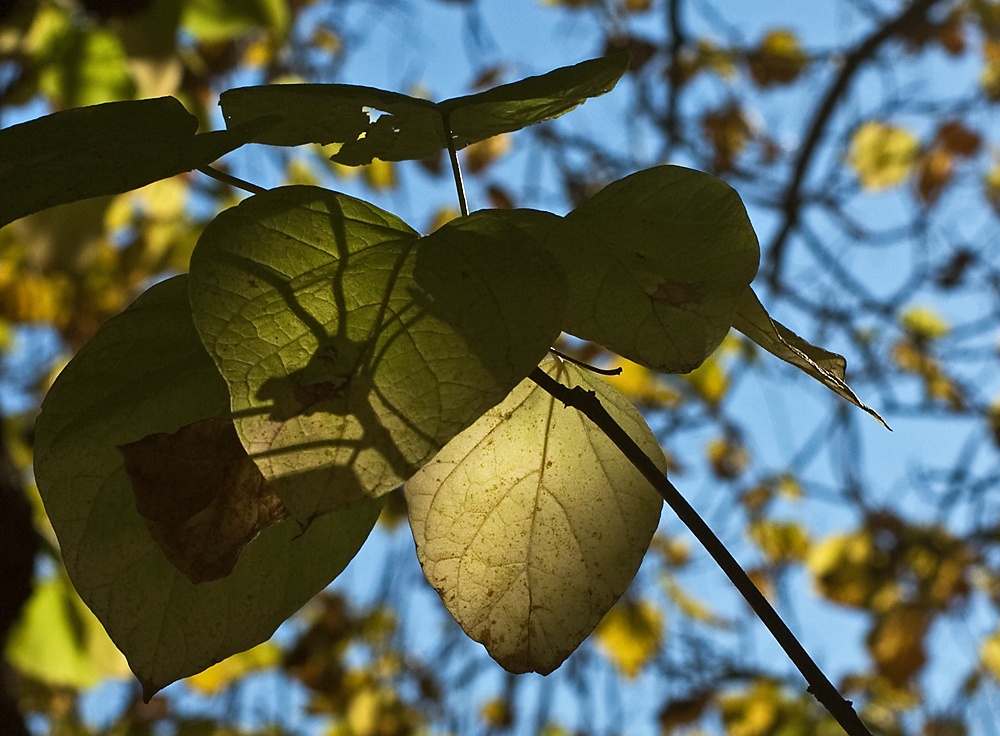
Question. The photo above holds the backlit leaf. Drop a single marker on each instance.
(630, 635)
(87, 66)
(146, 372)
(373, 123)
(989, 654)
(882, 155)
(896, 643)
(353, 348)
(781, 542)
(924, 324)
(221, 20)
(58, 641)
(531, 523)
(217, 677)
(779, 59)
(104, 149)
(657, 262)
(828, 368)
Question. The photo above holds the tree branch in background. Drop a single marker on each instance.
(853, 62)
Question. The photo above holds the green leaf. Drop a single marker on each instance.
(828, 368)
(531, 523)
(657, 262)
(405, 127)
(221, 20)
(104, 149)
(146, 372)
(59, 641)
(86, 66)
(353, 348)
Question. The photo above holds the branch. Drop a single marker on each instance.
(824, 691)
(852, 65)
(678, 39)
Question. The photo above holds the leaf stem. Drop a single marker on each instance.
(230, 180)
(824, 691)
(463, 204)
(587, 366)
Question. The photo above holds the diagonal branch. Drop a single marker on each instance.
(588, 404)
(853, 62)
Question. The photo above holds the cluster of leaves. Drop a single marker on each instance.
(729, 110)
(216, 454)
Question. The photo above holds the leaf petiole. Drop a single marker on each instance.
(463, 204)
(586, 366)
(230, 180)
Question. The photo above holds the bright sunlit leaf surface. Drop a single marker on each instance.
(657, 262)
(103, 149)
(353, 348)
(531, 523)
(146, 372)
(372, 123)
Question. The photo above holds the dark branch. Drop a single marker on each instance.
(588, 403)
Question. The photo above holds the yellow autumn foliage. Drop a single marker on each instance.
(630, 635)
(216, 678)
(882, 155)
(924, 323)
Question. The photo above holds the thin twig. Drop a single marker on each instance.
(463, 204)
(231, 180)
(588, 403)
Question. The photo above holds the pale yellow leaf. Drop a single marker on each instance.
(531, 523)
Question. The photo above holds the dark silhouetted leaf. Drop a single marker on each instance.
(372, 123)
(145, 372)
(103, 149)
(657, 262)
(201, 495)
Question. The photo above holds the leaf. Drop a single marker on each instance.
(222, 20)
(656, 264)
(58, 641)
(882, 155)
(219, 676)
(104, 149)
(896, 643)
(354, 349)
(146, 372)
(201, 495)
(630, 635)
(828, 368)
(87, 66)
(373, 123)
(781, 542)
(531, 523)
(989, 654)
(924, 324)
(779, 59)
